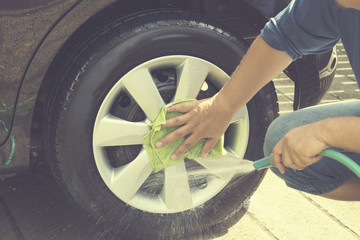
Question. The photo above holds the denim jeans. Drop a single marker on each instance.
(327, 174)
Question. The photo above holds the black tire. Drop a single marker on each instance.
(88, 75)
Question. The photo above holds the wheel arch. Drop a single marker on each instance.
(108, 11)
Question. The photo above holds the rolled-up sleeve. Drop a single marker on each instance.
(304, 27)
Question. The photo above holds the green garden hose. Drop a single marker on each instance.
(342, 158)
(345, 160)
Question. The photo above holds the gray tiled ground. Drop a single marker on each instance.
(344, 86)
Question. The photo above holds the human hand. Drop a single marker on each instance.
(299, 148)
(207, 118)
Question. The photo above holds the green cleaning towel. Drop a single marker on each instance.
(160, 157)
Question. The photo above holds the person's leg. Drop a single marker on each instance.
(327, 177)
(349, 191)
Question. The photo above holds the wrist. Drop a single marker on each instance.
(224, 103)
(326, 132)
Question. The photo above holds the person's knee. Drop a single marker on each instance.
(274, 134)
(278, 128)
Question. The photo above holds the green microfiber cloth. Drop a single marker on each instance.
(160, 157)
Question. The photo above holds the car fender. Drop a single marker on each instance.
(16, 146)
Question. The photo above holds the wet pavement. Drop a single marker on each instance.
(32, 206)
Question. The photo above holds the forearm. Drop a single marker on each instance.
(260, 65)
(342, 132)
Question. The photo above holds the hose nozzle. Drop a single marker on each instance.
(265, 162)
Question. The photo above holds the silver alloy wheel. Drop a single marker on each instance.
(177, 194)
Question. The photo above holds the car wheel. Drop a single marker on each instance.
(112, 87)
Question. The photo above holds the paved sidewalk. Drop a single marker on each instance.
(278, 212)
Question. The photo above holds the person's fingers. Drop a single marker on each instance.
(303, 161)
(289, 156)
(173, 136)
(176, 121)
(182, 107)
(277, 154)
(186, 145)
(316, 158)
(297, 162)
(288, 160)
(278, 163)
(208, 146)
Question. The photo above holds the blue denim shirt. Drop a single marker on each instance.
(315, 26)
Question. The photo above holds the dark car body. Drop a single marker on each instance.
(35, 35)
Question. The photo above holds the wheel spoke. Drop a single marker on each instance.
(176, 191)
(113, 131)
(104, 166)
(142, 88)
(223, 167)
(240, 115)
(192, 74)
(127, 180)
